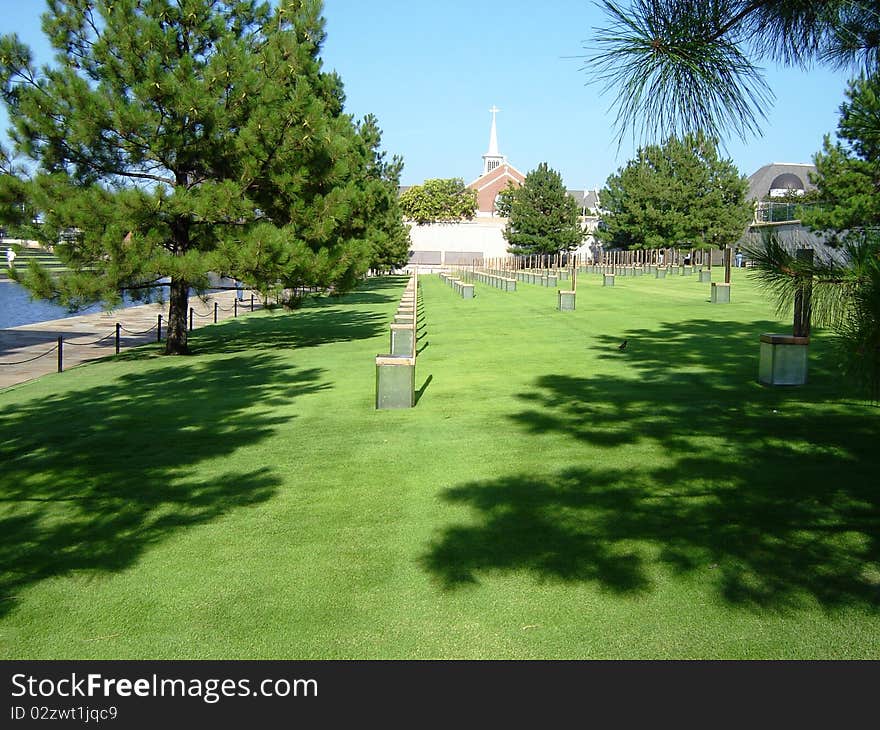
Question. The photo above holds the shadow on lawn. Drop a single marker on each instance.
(92, 478)
(769, 496)
(320, 321)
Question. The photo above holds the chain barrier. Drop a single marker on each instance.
(242, 306)
(145, 332)
(22, 362)
(86, 344)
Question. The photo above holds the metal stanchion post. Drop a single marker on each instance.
(159, 330)
(118, 327)
(190, 319)
(60, 354)
(235, 307)
(215, 312)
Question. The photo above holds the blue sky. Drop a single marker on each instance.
(430, 71)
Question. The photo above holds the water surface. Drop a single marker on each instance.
(17, 307)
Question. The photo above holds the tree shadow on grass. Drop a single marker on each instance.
(288, 330)
(320, 321)
(93, 478)
(535, 524)
(767, 495)
(722, 355)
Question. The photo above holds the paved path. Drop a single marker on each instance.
(79, 333)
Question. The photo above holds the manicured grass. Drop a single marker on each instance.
(549, 496)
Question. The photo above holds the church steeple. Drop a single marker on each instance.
(493, 158)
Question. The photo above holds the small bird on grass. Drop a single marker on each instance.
(622, 345)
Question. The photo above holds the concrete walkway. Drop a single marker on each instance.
(37, 343)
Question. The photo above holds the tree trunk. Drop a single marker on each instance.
(803, 298)
(178, 309)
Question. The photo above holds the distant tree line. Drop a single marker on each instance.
(680, 193)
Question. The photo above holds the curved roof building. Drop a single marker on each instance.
(779, 179)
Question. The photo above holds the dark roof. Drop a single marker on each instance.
(787, 181)
(792, 176)
(588, 199)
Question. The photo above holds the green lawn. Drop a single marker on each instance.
(549, 496)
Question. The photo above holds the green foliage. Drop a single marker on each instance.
(669, 70)
(504, 201)
(542, 217)
(845, 296)
(439, 201)
(678, 194)
(389, 242)
(177, 139)
(859, 329)
(846, 288)
(795, 197)
(848, 170)
(682, 66)
(14, 210)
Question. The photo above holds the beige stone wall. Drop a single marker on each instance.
(484, 235)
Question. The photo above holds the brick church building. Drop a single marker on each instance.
(439, 245)
(497, 174)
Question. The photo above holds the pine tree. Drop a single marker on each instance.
(13, 196)
(390, 242)
(848, 170)
(504, 200)
(676, 194)
(543, 218)
(683, 66)
(177, 138)
(845, 284)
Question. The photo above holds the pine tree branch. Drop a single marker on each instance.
(734, 21)
(155, 284)
(137, 176)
